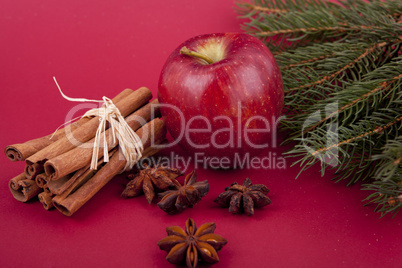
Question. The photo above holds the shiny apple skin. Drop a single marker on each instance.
(248, 76)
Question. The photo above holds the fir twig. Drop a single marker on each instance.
(342, 71)
(318, 23)
(383, 86)
(376, 130)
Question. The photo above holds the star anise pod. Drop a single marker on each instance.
(150, 180)
(192, 245)
(244, 197)
(188, 195)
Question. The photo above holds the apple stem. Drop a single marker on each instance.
(191, 53)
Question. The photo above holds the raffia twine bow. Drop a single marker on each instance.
(130, 144)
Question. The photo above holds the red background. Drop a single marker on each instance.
(98, 48)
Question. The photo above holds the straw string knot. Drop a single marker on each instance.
(130, 144)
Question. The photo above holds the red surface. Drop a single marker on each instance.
(98, 48)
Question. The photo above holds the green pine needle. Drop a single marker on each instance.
(342, 71)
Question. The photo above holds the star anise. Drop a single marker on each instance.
(244, 197)
(188, 195)
(150, 180)
(192, 245)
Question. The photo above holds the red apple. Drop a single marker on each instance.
(221, 95)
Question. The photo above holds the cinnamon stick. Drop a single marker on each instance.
(21, 151)
(31, 171)
(13, 183)
(80, 157)
(41, 180)
(26, 191)
(46, 200)
(83, 175)
(77, 183)
(82, 134)
(54, 185)
(79, 176)
(46, 189)
(154, 130)
(65, 187)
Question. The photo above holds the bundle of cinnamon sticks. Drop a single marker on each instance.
(58, 165)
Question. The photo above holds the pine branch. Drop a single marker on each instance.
(318, 23)
(342, 63)
(376, 130)
(390, 160)
(391, 7)
(260, 6)
(387, 195)
(314, 146)
(342, 71)
(388, 187)
(354, 96)
(371, 89)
